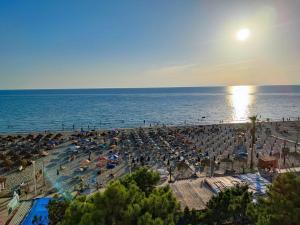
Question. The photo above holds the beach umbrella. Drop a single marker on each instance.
(44, 153)
(102, 145)
(57, 136)
(85, 162)
(100, 164)
(51, 142)
(162, 172)
(8, 163)
(113, 157)
(110, 166)
(48, 136)
(29, 136)
(38, 138)
(102, 158)
(2, 156)
(113, 146)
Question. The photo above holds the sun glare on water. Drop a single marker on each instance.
(240, 99)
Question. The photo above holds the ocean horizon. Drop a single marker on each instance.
(38, 110)
(284, 88)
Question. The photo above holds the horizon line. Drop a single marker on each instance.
(151, 87)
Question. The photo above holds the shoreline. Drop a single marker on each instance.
(68, 131)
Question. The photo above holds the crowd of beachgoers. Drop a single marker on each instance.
(84, 161)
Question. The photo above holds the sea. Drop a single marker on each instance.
(88, 109)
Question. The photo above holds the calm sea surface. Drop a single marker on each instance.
(39, 110)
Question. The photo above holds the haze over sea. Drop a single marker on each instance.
(39, 110)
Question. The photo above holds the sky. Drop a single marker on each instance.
(157, 43)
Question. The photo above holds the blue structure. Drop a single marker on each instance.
(38, 212)
(257, 182)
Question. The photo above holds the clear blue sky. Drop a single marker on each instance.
(91, 44)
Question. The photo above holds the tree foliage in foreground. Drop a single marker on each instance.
(135, 200)
(56, 209)
(227, 207)
(145, 179)
(125, 202)
(281, 206)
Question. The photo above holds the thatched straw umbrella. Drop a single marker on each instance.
(38, 138)
(7, 163)
(27, 155)
(44, 153)
(2, 156)
(57, 136)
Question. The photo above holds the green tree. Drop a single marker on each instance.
(161, 203)
(229, 207)
(281, 206)
(126, 202)
(192, 217)
(147, 219)
(78, 210)
(56, 210)
(144, 178)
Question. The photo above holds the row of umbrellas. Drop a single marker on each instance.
(101, 160)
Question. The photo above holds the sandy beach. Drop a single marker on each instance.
(84, 161)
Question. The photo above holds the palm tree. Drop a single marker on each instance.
(253, 121)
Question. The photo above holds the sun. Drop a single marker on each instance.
(243, 34)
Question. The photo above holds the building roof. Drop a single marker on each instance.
(292, 169)
(191, 193)
(39, 209)
(196, 193)
(257, 184)
(267, 158)
(217, 184)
